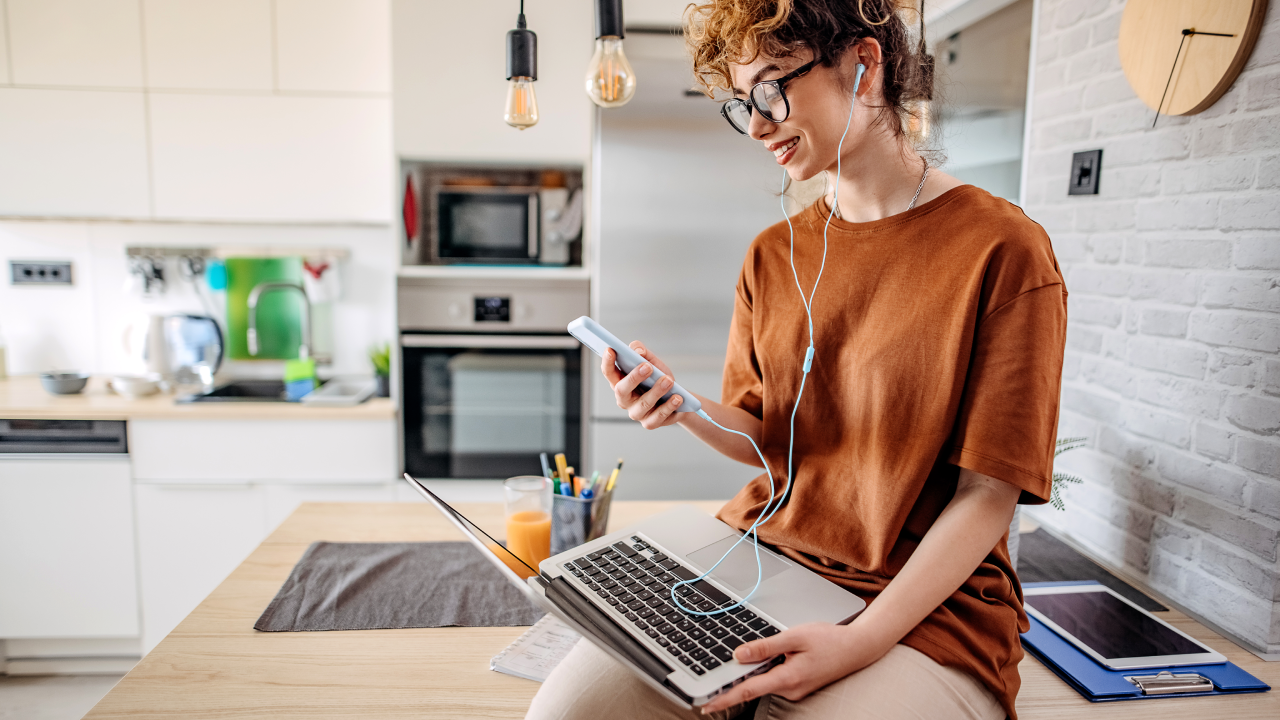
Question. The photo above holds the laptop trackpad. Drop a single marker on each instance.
(738, 571)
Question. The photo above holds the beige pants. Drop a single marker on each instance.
(589, 685)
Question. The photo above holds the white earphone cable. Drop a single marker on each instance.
(767, 511)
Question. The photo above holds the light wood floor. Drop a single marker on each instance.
(214, 665)
(51, 697)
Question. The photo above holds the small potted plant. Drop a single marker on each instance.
(380, 356)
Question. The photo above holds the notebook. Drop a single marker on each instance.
(537, 652)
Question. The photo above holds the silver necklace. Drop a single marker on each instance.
(920, 187)
(835, 206)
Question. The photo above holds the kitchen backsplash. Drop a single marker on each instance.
(82, 326)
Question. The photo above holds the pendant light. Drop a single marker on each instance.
(522, 71)
(610, 80)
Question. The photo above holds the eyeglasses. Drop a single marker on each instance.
(767, 98)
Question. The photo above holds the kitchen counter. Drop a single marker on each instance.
(22, 397)
(215, 665)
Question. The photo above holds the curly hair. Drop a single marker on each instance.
(722, 32)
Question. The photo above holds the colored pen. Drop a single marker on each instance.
(577, 486)
(613, 476)
(555, 486)
(561, 466)
(546, 466)
(595, 481)
(587, 494)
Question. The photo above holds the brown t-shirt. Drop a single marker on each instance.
(939, 336)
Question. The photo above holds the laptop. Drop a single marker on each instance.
(616, 592)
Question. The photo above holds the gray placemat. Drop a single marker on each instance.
(370, 586)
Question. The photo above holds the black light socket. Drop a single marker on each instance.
(609, 18)
(522, 52)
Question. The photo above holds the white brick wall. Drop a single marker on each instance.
(1173, 351)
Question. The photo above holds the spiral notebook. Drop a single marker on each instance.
(537, 652)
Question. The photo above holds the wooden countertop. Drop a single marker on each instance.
(22, 397)
(215, 665)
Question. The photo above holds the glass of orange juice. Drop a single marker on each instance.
(528, 512)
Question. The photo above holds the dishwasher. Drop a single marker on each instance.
(69, 588)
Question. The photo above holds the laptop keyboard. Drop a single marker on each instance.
(635, 579)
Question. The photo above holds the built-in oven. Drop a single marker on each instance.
(489, 376)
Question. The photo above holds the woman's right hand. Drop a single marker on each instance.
(641, 404)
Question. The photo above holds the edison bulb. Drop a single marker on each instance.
(610, 80)
(522, 104)
(918, 123)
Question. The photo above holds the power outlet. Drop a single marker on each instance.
(40, 273)
(1086, 167)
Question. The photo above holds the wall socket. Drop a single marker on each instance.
(1086, 167)
(40, 273)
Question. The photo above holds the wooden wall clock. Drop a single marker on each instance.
(1180, 56)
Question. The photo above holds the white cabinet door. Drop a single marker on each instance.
(313, 159)
(190, 537)
(284, 499)
(305, 451)
(66, 548)
(45, 133)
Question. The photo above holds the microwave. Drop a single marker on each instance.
(503, 225)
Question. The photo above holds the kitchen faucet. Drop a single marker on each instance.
(304, 349)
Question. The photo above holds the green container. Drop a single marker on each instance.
(279, 311)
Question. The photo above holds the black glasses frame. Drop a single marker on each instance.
(780, 83)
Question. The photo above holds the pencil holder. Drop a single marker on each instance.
(570, 522)
(600, 515)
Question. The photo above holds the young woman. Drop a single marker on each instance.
(938, 327)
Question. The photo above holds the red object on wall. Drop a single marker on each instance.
(410, 211)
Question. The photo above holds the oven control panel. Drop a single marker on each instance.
(446, 304)
(493, 309)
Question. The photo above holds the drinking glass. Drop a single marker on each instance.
(528, 512)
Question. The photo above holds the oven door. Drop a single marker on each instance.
(485, 406)
(487, 225)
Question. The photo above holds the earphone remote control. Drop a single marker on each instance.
(593, 335)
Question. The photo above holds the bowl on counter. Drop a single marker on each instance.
(135, 386)
(64, 382)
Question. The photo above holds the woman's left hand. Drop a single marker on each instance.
(818, 654)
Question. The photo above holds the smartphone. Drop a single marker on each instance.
(593, 335)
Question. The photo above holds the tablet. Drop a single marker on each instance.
(593, 335)
(1112, 630)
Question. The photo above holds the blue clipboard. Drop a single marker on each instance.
(1098, 683)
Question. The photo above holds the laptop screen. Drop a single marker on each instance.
(494, 550)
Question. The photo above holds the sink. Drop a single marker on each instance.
(242, 391)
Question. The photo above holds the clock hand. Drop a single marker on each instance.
(1186, 32)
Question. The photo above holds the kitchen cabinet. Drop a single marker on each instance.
(281, 500)
(245, 111)
(209, 46)
(73, 153)
(321, 159)
(190, 537)
(76, 43)
(333, 46)
(247, 450)
(209, 490)
(67, 547)
(101, 556)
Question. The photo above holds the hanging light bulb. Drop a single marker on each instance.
(610, 80)
(522, 71)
